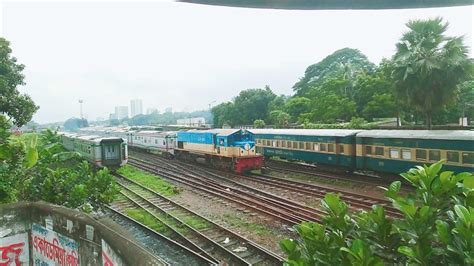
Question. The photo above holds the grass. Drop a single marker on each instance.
(195, 222)
(147, 219)
(258, 229)
(150, 181)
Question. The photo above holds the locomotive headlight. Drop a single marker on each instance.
(247, 146)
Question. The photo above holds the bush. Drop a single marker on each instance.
(259, 123)
(436, 227)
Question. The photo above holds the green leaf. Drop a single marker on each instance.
(288, 246)
(435, 168)
(395, 186)
(469, 181)
(406, 251)
(444, 177)
(31, 157)
(463, 214)
(443, 232)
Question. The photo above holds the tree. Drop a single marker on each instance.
(252, 104)
(429, 66)
(279, 118)
(259, 123)
(345, 62)
(296, 106)
(73, 124)
(16, 106)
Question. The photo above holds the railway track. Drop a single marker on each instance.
(310, 170)
(356, 201)
(209, 239)
(286, 211)
(118, 208)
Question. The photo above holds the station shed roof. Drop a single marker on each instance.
(333, 4)
(306, 132)
(420, 134)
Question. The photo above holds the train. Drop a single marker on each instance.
(226, 149)
(110, 152)
(377, 151)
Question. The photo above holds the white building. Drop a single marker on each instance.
(121, 112)
(192, 122)
(136, 107)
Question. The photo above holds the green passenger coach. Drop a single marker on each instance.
(396, 151)
(320, 146)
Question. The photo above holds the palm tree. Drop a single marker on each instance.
(428, 66)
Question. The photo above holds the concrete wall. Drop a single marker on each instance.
(43, 234)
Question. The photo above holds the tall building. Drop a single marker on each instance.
(136, 107)
(121, 112)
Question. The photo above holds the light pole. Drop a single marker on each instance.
(80, 107)
(210, 105)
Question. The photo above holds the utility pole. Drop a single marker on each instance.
(210, 105)
(80, 106)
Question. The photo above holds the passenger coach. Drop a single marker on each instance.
(396, 151)
(101, 151)
(324, 146)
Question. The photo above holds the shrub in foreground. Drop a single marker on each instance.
(436, 226)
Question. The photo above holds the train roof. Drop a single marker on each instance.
(306, 132)
(218, 131)
(419, 134)
(156, 132)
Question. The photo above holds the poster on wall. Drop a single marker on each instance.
(109, 257)
(52, 248)
(14, 250)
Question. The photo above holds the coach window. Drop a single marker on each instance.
(301, 145)
(379, 151)
(434, 155)
(420, 155)
(283, 144)
(307, 145)
(453, 156)
(406, 154)
(316, 146)
(341, 148)
(322, 147)
(368, 150)
(330, 147)
(468, 157)
(295, 144)
(274, 143)
(394, 153)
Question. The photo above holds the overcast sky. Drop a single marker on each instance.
(185, 56)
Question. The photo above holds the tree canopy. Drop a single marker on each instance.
(345, 62)
(429, 66)
(19, 108)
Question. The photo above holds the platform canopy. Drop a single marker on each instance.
(333, 4)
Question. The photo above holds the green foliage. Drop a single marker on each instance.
(73, 124)
(436, 227)
(279, 118)
(39, 168)
(259, 123)
(152, 182)
(343, 62)
(16, 106)
(248, 106)
(296, 106)
(428, 66)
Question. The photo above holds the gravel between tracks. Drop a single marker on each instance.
(264, 231)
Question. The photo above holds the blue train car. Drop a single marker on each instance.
(225, 148)
(396, 151)
(334, 147)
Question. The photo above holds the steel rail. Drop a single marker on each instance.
(265, 254)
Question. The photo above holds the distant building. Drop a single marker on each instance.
(121, 112)
(151, 111)
(191, 122)
(113, 116)
(136, 107)
(168, 110)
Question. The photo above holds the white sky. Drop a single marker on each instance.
(184, 55)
